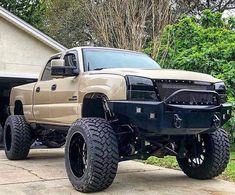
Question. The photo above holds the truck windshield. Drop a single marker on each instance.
(98, 59)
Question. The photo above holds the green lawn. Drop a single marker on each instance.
(229, 173)
(233, 147)
(170, 162)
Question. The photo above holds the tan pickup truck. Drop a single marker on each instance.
(111, 105)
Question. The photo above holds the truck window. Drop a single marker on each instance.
(46, 76)
(70, 60)
(47, 72)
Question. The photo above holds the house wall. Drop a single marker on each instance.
(20, 52)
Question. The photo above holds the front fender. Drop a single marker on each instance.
(112, 86)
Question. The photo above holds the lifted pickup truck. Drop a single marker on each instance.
(115, 105)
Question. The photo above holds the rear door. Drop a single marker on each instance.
(64, 94)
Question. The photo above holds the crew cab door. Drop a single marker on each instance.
(42, 95)
(65, 106)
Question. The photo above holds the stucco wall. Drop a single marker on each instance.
(20, 53)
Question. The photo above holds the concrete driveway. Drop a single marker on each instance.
(44, 173)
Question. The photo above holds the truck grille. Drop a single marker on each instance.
(164, 88)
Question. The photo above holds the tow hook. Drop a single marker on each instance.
(177, 121)
(216, 121)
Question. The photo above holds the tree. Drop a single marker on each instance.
(127, 24)
(205, 44)
(196, 7)
(118, 23)
(161, 15)
(28, 10)
(65, 22)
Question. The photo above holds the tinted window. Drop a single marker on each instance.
(108, 58)
(47, 72)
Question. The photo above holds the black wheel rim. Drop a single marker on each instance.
(8, 138)
(196, 152)
(78, 155)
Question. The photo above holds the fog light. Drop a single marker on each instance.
(152, 115)
(138, 110)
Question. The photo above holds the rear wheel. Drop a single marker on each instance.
(91, 155)
(207, 155)
(17, 138)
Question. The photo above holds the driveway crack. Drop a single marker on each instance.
(28, 170)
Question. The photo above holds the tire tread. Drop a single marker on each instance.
(104, 157)
(219, 157)
(21, 138)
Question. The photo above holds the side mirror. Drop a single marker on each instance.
(63, 71)
(59, 70)
(57, 62)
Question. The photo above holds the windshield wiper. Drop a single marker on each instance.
(99, 68)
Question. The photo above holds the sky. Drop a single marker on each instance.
(229, 13)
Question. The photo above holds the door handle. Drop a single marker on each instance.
(53, 87)
(38, 89)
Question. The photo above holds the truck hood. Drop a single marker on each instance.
(159, 74)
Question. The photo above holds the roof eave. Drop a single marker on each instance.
(31, 30)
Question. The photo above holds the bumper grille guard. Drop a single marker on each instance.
(190, 98)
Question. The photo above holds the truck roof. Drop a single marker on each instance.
(107, 48)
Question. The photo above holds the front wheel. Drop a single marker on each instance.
(91, 155)
(207, 155)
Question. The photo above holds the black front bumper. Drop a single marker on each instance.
(159, 118)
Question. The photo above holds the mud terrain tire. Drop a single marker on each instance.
(1, 134)
(216, 157)
(17, 138)
(91, 154)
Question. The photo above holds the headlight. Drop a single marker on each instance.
(221, 90)
(140, 89)
(220, 87)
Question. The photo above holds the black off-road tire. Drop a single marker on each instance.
(101, 151)
(17, 138)
(1, 134)
(216, 157)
